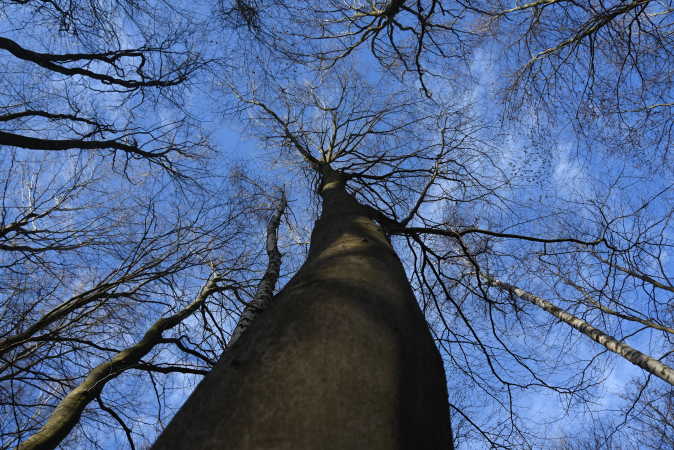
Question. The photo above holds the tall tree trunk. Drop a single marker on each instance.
(342, 359)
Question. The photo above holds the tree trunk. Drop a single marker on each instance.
(68, 411)
(631, 354)
(265, 290)
(342, 359)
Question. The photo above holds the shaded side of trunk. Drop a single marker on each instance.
(342, 359)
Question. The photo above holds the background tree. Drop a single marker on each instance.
(85, 276)
(93, 76)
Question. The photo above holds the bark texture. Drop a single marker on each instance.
(342, 359)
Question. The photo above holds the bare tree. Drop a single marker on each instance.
(343, 357)
(88, 267)
(265, 290)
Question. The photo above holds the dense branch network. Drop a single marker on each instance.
(499, 261)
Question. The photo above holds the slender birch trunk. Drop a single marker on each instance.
(342, 358)
(631, 354)
(265, 290)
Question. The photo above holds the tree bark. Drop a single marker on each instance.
(342, 358)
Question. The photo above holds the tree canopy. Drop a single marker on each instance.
(517, 155)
